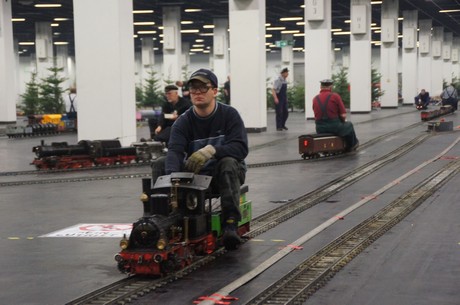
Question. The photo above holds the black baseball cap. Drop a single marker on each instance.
(171, 88)
(204, 75)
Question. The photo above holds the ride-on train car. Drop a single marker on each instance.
(178, 225)
(318, 145)
(434, 113)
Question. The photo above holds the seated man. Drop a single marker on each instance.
(422, 99)
(449, 96)
(331, 116)
(171, 109)
(210, 139)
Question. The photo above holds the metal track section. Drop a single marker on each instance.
(276, 216)
(134, 287)
(315, 272)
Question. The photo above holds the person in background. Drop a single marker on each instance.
(227, 91)
(422, 99)
(331, 115)
(184, 88)
(172, 108)
(449, 96)
(279, 92)
(210, 139)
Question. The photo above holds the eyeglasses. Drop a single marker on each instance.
(201, 89)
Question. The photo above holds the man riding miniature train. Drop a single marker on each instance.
(212, 139)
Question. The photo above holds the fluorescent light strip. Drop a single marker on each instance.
(60, 43)
(186, 22)
(47, 5)
(291, 18)
(26, 43)
(61, 19)
(144, 23)
(143, 12)
(449, 11)
(146, 32)
(18, 19)
(192, 10)
(189, 31)
(277, 28)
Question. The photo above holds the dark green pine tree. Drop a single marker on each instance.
(152, 96)
(51, 92)
(30, 98)
(341, 86)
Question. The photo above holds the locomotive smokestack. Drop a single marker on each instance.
(145, 198)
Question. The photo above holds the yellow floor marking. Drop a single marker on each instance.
(278, 240)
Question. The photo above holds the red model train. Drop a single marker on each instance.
(434, 113)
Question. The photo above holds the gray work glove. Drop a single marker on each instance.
(196, 161)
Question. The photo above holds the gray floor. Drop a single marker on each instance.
(417, 262)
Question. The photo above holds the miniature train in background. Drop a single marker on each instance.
(86, 153)
(427, 115)
(42, 125)
(178, 225)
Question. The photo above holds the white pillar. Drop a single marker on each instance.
(287, 57)
(44, 53)
(147, 57)
(172, 48)
(8, 85)
(105, 70)
(455, 58)
(424, 56)
(185, 61)
(346, 57)
(360, 56)
(409, 57)
(446, 57)
(220, 49)
(248, 62)
(62, 55)
(436, 60)
(389, 54)
(317, 49)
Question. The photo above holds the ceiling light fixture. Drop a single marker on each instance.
(449, 11)
(18, 19)
(26, 43)
(60, 43)
(189, 31)
(276, 28)
(143, 12)
(61, 19)
(144, 23)
(291, 18)
(47, 5)
(192, 10)
(146, 32)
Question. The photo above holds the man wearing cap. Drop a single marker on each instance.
(172, 108)
(331, 116)
(279, 92)
(211, 138)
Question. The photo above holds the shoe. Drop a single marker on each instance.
(279, 129)
(230, 238)
(355, 146)
(285, 128)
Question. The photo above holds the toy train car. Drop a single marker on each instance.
(42, 125)
(61, 155)
(177, 226)
(434, 113)
(320, 145)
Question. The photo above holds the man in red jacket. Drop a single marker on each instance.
(331, 116)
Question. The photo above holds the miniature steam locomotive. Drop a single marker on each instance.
(61, 155)
(178, 225)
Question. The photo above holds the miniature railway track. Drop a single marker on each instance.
(125, 293)
(143, 175)
(316, 271)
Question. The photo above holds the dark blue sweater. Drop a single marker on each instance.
(224, 129)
